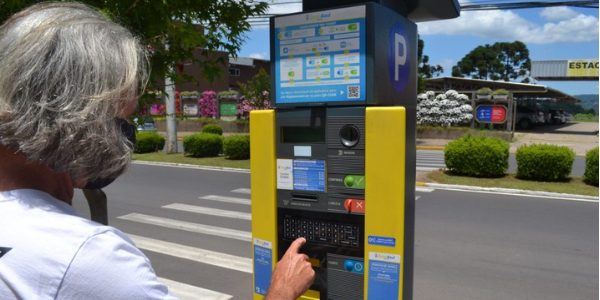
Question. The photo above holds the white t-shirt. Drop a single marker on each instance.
(47, 251)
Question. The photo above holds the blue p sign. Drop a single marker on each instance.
(398, 57)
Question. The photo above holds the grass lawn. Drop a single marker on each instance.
(586, 120)
(179, 158)
(573, 186)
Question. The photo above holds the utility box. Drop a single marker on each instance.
(335, 161)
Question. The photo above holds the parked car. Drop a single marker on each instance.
(527, 117)
(541, 116)
(556, 117)
(568, 116)
(146, 124)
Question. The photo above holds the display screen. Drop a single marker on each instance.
(320, 56)
(302, 134)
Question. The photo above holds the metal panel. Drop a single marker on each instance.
(548, 68)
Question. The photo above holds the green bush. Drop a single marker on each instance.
(591, 167)
(544, 162)
(477, 156)
(212, 128)
(148, 141)
(203, 145)
(237, 147)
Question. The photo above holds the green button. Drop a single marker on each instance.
(355, 181)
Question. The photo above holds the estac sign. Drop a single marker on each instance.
(582, 68)
(491, 114)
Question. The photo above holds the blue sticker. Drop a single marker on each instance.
(381, 241)
(309, 175)
(384, 280)
(399, 58)
(263, 269)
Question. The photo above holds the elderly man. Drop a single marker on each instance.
(68, 83)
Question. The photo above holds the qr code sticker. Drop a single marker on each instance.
(353, 91)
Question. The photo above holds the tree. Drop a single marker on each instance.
(425, 70)
(173, 30)
(500, 61)
(256, 91)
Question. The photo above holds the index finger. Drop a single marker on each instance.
(296, 245)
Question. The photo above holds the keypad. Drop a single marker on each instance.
(321, 232)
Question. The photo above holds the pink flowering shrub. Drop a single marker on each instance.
(245, 107)
(207, 105)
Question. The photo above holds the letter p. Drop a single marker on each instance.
(399, 54)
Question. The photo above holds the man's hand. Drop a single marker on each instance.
(293, 274)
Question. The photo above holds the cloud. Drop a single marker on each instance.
(447, 64)
(558, 13)
(280, 7)
(507, 25)
(262, 55)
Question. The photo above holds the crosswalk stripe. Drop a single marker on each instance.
(226, 199)
(187, 226)
(424, 189)
(213, 258)
(242, 191)
(210, 211)
(190, 292)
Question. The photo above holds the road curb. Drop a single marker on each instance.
(430, 147)
(509, 191)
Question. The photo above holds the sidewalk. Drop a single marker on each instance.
(581, 137)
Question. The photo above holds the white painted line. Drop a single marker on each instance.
(546, 197)
(424, 189)
(417, 198)
(190, 292)
(242, 191)
(427, 169)
(191, 227)
(226, 199)
(221, 260)
(187, 166)
(210, 211)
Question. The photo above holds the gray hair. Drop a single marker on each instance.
(66, 71)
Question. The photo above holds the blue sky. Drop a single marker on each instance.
(549, 33)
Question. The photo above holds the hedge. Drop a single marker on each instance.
(212, 128)
(203, 145)
(237, 147)
(148, 141)
(544, 162)
(477, 156)
(591, 167)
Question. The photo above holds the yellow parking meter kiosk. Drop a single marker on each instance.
(335, 161)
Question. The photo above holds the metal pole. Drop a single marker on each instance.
(171, 116)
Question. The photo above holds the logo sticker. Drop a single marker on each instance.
(398, 57)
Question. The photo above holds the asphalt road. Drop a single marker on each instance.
(468, 245)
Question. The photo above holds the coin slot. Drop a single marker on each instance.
(349, 136)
